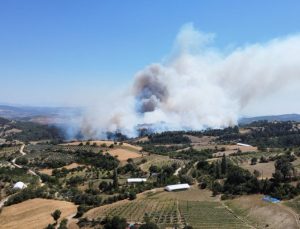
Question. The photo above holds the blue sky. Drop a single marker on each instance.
(51, 51)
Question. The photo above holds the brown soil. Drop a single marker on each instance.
(34, 214)
(262, 213)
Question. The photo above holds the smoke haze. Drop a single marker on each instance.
(197, 87)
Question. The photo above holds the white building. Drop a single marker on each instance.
(19, 185)
(136, 180)
(242, 144)
(177, 187)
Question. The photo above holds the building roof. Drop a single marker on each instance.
(20, 185)
(243, 144)
(177, 187)
(136, 180)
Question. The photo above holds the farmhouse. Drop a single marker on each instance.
(136, 180)
(177, 187)
(19, 185)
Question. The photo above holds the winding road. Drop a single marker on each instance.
(13, 162)
(29, 170)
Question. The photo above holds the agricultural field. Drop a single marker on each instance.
(159, 161)
(9, 152)
(92, 175)
(193, 207)
(266, 170)
(294, 204)
(124, 154)
(122, 151)
(163, 212)
(205, 214)
(35, 213)
(262, 214)
(70, 166)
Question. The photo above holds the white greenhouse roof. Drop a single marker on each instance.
(136, 180)
(20, 185)
(177, 187)
(243, 144)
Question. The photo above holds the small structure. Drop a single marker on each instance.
(19, 185)
(271, 199)
(136, 180)
(177, 187)
(243, 144)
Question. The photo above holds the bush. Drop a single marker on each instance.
(21, 161)
(149, 226)
(115, 223)
(132, 195)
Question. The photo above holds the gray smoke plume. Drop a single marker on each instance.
(149, 90)
(198, 86)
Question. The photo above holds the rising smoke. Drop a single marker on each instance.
(198, 86)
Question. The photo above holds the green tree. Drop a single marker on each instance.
(284, 166)
(224, 165)
(149, 225)
(188, 227)
(56, 215)
(115, 223)
(50, 226)
(153, 169)
(132, 195)
(256, 173)
(63, 224)
(115, 180)
(216, 188)
(253, 161)
(103, 186)
(217, 170)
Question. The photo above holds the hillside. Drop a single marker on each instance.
(270, 118)
(227, 180)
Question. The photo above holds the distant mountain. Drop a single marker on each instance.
(38, 114)
(270, 118)
(56, 115)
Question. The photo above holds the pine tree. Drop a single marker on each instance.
(224, 165)
(115, 180)
(218, 175)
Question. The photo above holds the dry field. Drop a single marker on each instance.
(34, 214)
(159, 161)
(100, 142)
(266, 169)
(231, 149)
(49, 171)
(205, 140)
(124, 154)
(262, 214)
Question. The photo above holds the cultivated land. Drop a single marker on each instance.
(70, 166)
(262, 214)
(124, 154)
(34, 214)
(89, 178)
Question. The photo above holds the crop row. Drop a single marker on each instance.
(208, 215)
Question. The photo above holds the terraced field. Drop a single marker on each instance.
(164, 213)
(170, 212)
(61, 147)
(238, 159)
(205, 214)
(7, 151)
(159, 161)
